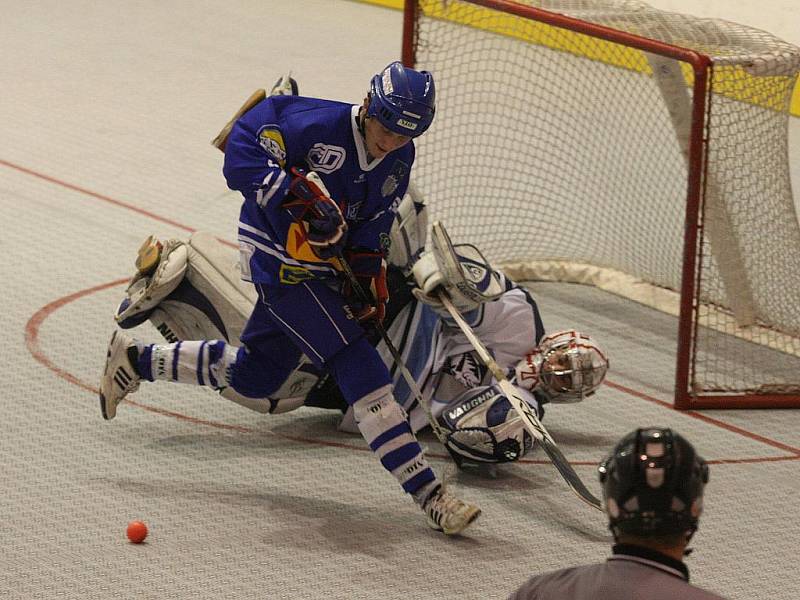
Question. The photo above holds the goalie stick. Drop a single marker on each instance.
(438, 430)
(529, 418)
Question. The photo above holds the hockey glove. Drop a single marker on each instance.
(369, 267)
(311, 204)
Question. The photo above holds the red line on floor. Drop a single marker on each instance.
(96, 195)
(707, 419)
(32, 328)
(34, 324)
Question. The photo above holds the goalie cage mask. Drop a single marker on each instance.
(653, 484)
(402, 99)
(483, 427)
(566, 366)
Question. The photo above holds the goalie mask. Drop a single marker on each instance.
(483, 427)
(566, 367)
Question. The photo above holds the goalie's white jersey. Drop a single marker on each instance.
(441, 359)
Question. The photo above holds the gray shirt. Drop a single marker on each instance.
(631, 574)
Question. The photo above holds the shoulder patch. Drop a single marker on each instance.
(271, 140)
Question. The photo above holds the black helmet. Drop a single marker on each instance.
(653, 484)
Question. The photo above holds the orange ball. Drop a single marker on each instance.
(137, 531)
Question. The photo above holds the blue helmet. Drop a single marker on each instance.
(402, 99)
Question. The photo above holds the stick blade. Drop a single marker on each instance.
(570, 476)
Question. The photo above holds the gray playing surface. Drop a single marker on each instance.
(106, 114)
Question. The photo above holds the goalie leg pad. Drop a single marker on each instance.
(272, 406)
(409, 228)
(291, 394)
(483, 427)
(146, 291)
(384, 425)
(193, 292)
(215, 299)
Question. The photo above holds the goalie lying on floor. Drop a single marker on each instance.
(192, 290)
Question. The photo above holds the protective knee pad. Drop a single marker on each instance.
(384, 425)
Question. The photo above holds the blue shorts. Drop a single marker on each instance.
(309, 318)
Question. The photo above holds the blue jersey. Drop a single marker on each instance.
(282, 132)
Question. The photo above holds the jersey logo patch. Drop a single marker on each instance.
(271, 140)
(292, 275)
(397, 174)
(474, 272)
(466, 369)
(325, 158)
(352, 210)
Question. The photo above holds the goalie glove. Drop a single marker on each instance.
(311, 204)
(369, 268)
(460, 271)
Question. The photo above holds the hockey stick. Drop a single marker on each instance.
(529, 418)
(362, 294)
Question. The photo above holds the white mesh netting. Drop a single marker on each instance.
(552, 145)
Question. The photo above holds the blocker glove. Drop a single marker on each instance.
(311, 204)
(369, 267)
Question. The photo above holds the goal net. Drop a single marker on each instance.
(607, 142)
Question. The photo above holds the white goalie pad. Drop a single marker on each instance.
(194, 292)
(145, 292)
(271, 405)
(482, 426)
(409, 230)
(459, 270)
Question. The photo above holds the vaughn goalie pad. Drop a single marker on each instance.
(193, 292)
(482, 427)
(408, 232)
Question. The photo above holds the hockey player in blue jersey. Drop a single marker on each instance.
(321, 181)
(194, 292)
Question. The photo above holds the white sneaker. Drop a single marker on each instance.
(285, 86)
(448, 514)
(119, 377)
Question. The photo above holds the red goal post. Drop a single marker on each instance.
(645, 152)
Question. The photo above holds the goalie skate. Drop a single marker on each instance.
(119, 377)
(448, 514)
(285, 86)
